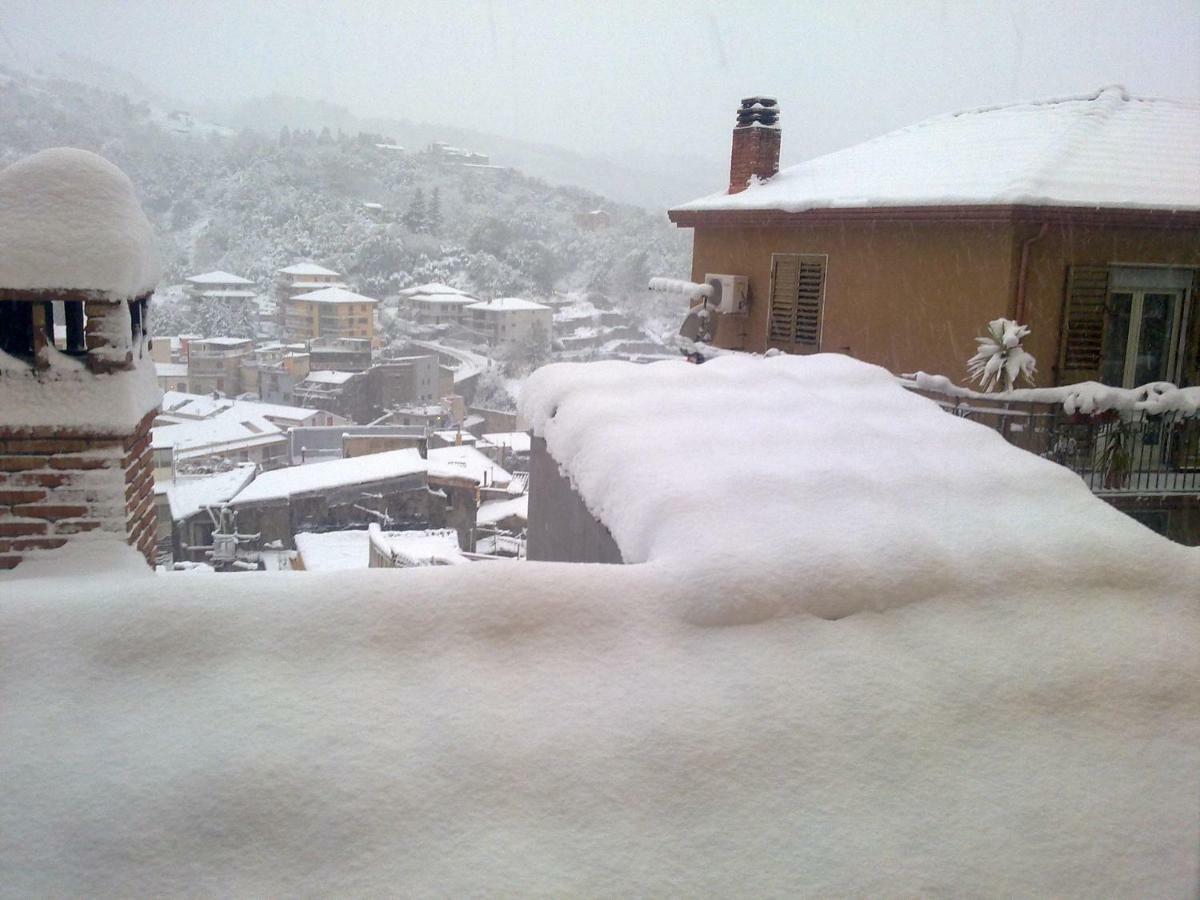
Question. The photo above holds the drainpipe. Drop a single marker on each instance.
(1019, 315)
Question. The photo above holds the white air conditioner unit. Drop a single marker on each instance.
(731, 294)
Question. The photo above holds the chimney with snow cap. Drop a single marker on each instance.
(755, 142)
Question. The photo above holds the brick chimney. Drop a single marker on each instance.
(755, 142)
(75, 411)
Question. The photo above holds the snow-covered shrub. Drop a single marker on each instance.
(1000, 359)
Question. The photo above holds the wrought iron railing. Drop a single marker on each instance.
(1130, 452)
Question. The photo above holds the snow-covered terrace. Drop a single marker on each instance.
(865, 649)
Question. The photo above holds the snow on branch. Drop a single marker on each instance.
(1087, 397)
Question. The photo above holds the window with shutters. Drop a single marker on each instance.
(1125, 326)
(797, 298)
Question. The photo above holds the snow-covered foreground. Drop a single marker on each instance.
(1008, 701)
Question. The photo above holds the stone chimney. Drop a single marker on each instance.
(755, 142)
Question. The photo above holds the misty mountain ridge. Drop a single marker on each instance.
(250, 203)
(650, 180)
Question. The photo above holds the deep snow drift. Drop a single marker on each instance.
(1008, 705)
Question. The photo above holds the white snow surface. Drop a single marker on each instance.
(464, 461)
(218, 277)
(493, 511)
(68, 396)
(307, 268)
(329, 475)
(507, 304)
(334, 294)
(70, 220)
(186, 496)
(1006, 707)
(1106, 149)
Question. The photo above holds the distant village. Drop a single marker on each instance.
(242, 419)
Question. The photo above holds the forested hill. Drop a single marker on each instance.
(251, 202)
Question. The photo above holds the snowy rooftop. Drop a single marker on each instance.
(201, 406)
(308, 269)
(507, 304)
(233, 429)
(187, 496)
(329, 376)
(334, 294)
(464, 461)
(1106, 149)
(517, 441)
(328, 475)
(493, 511)
(70, 220)
(433, 290)
(872, 650)
(218, 277)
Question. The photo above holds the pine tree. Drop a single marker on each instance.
(433, 217)
(417, 218)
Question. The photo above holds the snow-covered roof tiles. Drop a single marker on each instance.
(507, 304)
(308, 269)
(334, 294)
(336, 473)
(218, 277)
(70, 220)
(1106, 149)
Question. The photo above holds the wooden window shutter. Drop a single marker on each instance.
(797, 295)
(1081, 338)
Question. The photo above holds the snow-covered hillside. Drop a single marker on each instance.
(255, 201)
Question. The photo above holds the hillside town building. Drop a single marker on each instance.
(1078, 216)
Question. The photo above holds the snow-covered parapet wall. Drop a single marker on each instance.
(1087, 397)
(70, 220)
(840, 489)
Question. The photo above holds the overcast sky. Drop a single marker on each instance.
(611, 76)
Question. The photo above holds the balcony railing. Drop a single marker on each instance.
(1130, 452)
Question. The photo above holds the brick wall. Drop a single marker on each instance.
(755, 152)
(55, 484)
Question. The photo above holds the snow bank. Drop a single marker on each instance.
(1019, 719)
(1106, 149)
(70, 220)
(841, 489)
